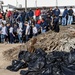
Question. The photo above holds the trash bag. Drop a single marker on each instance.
(54, 57)
(33, 73)
(49, 58)
(71, 58)
(23, 72)
(27, 72)
(21, 55)
(14, 62)
(33, 57)
(47, 71)
(37, 65)
(16, 65)
(72, 67)
(40, 52)
(67, 71)
(58, 54)
(56, 70)
(27, 56)
(40, 63)
(24, 55)
(65, 58)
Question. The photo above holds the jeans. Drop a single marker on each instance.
(11, 38)
(2, 38)
(64, 21)
(20, 38)
(27, 38)
(43, 31)
(37, 18)
(70, 20)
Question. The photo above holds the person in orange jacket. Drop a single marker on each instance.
(37, 13)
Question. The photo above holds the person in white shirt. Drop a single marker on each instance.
(0, 21)
(27, 32)
(0, 26)
(3, 33)
(20, 24)
(3, 21)
(11, 30)
(34, 29)
(11, 35)
(19, 32)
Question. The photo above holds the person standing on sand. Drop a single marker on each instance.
(56, 24)
(64, 16)
(27, 32)
(3, 33)
(37, 13)
(34, 29)
(70, 16)
(11, 35)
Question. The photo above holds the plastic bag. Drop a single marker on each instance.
(71, 57)
(21, 55)
(37, 65)
(16, 65)
(67, 71)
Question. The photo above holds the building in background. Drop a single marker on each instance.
(8, 7)
(20, 4)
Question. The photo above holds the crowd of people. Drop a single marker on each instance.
(20, 26)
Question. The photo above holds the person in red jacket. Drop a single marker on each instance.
(9, 13)
(0, 15)
(39, 22)
(37, 13)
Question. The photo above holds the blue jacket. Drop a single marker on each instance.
(27, 15)
(44, 24)
(23, 14)
(15, 14)
(65, 13)
(37, 26)
(56, 12)
(31, 13)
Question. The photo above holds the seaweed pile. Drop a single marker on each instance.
(50, 41)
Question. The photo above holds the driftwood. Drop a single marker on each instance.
(31, 46)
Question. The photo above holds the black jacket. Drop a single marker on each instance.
(70, 12)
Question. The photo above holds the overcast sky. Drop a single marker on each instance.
(31, 3)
